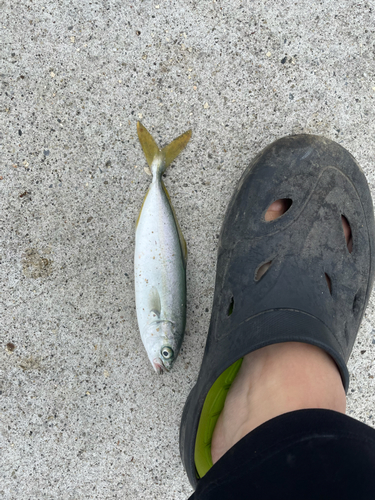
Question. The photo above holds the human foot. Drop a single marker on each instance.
(274, 380)
(278, 378)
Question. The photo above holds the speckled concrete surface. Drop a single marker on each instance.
(82, 413)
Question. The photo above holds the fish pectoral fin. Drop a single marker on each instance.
(180, 235)
(173, 149)
(149, 146)
(154, 303)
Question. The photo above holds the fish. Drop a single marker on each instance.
(160, 259)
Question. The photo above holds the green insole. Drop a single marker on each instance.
(212, 407)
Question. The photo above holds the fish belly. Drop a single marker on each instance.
(158, 261)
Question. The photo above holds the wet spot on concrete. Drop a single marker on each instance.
(34, 265)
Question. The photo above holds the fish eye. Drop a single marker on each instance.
(167, 352)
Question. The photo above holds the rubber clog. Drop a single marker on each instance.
(316, 288)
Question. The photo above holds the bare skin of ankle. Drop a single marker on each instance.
(278, 379)
(274, 380)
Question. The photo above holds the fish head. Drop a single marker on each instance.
(161, 345)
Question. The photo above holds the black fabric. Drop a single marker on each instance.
(305, 454)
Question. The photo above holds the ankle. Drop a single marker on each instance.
(291, 376)
(275, 380)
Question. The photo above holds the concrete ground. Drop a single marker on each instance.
(82, 413)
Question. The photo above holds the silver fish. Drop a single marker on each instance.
(160, 260)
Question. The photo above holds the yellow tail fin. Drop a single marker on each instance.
(148, 144)
(168, 153)
(172, 150)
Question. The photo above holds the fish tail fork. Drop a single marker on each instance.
(163, 156)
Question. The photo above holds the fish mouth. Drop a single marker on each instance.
(158, 366)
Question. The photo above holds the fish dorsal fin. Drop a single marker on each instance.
(180, 235)
(154, 303)
(174, 148)
(148, 143)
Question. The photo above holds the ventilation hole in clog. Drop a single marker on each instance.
(347, 233)
(277, 209)
(231, 306)
(262, 269)
(329, 284)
